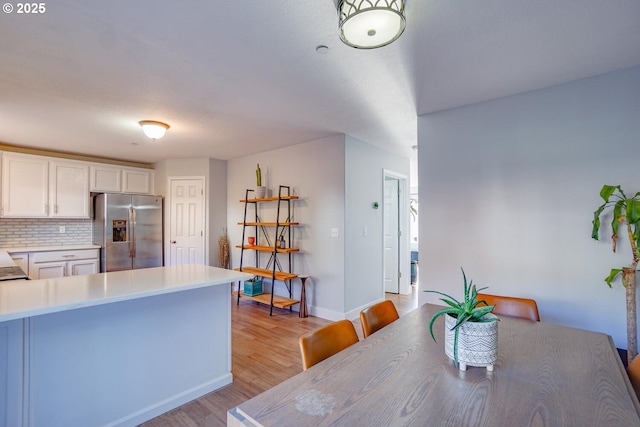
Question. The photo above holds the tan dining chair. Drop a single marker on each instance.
(324, 342)
(523, 308)
(634, 374)
(378, 316)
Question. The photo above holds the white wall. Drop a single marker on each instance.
(217, 198)
(315, 171)
(508, 189)
(215, 174)
(364, 255)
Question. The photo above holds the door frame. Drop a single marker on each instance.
(205, 217)
(404, 250)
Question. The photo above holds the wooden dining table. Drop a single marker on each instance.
(546, 375)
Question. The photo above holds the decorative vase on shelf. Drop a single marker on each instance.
(260, 192)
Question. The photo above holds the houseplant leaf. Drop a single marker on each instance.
(633, 211)
(596, 221)
(612, 275)
(438, 314)
(607, 191)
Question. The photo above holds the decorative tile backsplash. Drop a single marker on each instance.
(21, 232)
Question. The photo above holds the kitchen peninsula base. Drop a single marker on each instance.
(115, 349)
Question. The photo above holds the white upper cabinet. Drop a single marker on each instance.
(115, 179)
(25, 186)
(137, 181)
(105, 178)
(68, 189)
(37, 187)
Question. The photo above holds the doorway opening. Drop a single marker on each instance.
(395, 231)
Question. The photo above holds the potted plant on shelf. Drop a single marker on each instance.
(471, 331)
(626, 210)
(260, 189)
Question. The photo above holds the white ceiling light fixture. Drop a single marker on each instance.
(153, 129)
(368, 24)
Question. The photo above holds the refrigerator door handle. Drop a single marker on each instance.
(132, 239)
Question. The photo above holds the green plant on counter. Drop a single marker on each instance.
(464, 311)
(258, 176)
(626, 210)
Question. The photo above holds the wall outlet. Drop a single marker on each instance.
(334, 232)
(63, 229)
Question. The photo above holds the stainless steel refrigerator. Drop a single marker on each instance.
(129, 230)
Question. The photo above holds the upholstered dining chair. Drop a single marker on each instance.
(523, 308)
(377, 317)
(325, 341)
(634, 374)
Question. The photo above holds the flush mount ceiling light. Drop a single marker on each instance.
(367, 24)
(154, 130)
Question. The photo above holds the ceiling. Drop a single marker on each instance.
(234, 78)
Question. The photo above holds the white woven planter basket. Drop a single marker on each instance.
(477, 343)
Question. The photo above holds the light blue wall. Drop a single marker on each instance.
(315, 171)
(364, 268)
(337, 179)
(508, 189)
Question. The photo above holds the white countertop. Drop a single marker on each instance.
(13, 250)
(20, 299)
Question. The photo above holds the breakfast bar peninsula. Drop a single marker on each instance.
(113, 348)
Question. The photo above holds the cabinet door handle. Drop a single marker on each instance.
(68, 256)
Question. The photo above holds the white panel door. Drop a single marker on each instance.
(391, 236)
(186, 222)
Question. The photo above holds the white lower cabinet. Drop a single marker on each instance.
(46, 265)
(85, 266)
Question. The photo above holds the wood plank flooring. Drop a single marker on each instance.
(265, 353)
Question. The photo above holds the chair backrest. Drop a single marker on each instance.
(634, 374)
(377, 317)
(324, 342)
(523, 308)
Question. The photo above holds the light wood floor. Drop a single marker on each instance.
(265, 353)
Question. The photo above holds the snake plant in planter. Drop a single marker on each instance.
(471, 331)
(626, 210)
